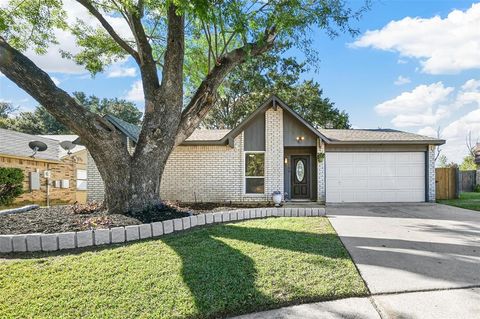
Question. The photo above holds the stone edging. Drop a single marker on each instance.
(18, 209)
(116, 235)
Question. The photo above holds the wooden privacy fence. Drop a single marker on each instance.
(447, 183)
(467, 180)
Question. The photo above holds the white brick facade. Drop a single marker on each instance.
(321, 190)
(95, 186)
(204, 173)
(274, 169)
(431, 173)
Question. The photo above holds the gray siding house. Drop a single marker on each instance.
(275, 149)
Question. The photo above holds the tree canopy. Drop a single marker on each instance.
(40, 121)
(254, 81)
(183, 49)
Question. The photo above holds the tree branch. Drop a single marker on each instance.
(147, 64)
(204, 98)
(23, 72)
(109, 29)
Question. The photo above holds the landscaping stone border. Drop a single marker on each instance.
(18, 209)
(116, 235)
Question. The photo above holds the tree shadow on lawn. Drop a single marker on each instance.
(222, 279)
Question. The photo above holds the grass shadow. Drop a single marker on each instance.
(223, 280)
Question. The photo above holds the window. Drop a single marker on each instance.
(81, 179)
(254, 173)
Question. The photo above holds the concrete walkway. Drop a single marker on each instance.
(440, 304)
(418, 260)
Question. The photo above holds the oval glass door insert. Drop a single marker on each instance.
(300, 171)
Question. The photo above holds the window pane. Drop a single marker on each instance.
(254, 164)
(254, 185)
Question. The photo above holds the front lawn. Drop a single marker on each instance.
(205, 272)
(466, 200)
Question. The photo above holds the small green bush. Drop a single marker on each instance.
(476, 189)
(11, 184)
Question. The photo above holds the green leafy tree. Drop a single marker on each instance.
(41, 121)
(120, 108)
(177, 45)
(11, 184)
(250, 84)
(468, 163)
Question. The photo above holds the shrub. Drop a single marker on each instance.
(11, 184)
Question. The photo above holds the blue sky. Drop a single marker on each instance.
(415, 66)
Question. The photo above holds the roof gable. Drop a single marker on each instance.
(274, 102)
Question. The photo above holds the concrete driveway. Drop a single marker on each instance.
(411, 247)
(418, 260)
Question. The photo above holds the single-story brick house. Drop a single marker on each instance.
(275, 149)
(52, 176)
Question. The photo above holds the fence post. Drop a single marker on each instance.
(458, 182)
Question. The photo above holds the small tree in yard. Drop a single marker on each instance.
(176, 44)
(11, 184)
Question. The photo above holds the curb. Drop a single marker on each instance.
(100, 237)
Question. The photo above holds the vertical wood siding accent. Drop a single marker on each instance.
(293, 128)
(254, 134)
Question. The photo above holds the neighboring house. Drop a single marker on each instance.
(275, 149)
(67, 181)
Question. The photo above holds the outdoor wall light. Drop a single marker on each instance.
(286, 160)
(300, 138)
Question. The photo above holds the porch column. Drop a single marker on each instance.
(431, 173)
(321, 190)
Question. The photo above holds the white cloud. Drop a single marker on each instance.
(442, 45)
(429, 107)
(52, 61)
(428, 131)
(136, 92)
(421, 100)
(118, 70)
(401, 80)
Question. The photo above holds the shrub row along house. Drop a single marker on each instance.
(52, 176)
(275, 149)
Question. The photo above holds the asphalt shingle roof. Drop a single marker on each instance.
(375, 135)
(133, 131)
(16, 144)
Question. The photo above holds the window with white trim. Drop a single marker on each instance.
(254, 173)
(81, 179)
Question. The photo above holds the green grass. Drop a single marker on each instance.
(466, 200)
(205, 272)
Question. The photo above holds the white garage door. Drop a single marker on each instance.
(375, 177)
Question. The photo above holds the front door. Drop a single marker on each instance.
(300, 176)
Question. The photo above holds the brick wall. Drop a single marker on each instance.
(321, 190)
(213, 173)
(59, 170)
(95, 187)
(204, 173)
(431, 173)
(274, 151)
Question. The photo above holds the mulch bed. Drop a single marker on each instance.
(66, 218)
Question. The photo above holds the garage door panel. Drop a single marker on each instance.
(375, 177)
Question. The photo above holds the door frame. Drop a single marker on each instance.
(287, 158)
(308, 174)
